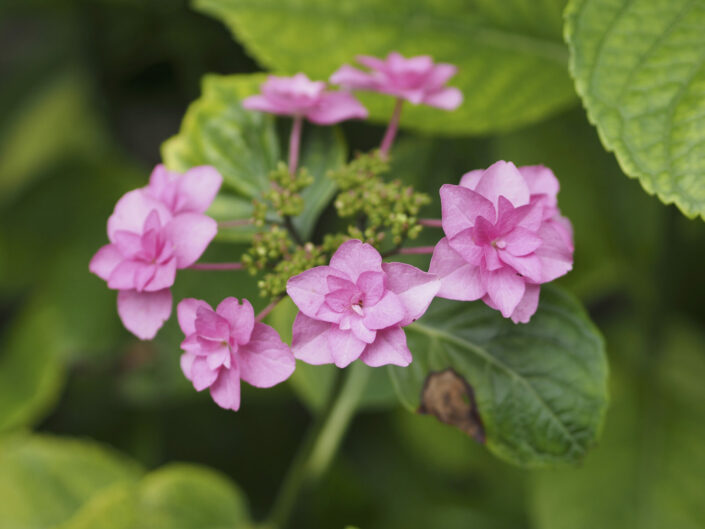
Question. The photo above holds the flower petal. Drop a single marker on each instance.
(308, 289)
(357, 326)
(541, 181)
(414, 288)
(528, 304)
(471, 178)
(354, 257)
(265, 104)
(503, 179)
(389, 348)
(105, 261)
(505, 288)
(132, 210)
(309, 340)
(198, 187)
(372, 286)
(241, 318)
(461, 206)
(186, 314)
(459, 279)
(352, 78)
(190, 233)
(202, 375)
(344, 346)
(334, 107)
(387, 312)
(556, 253)
(265, 360)
(226, 389)
(163, 277)
(143, 313)
(448, 98)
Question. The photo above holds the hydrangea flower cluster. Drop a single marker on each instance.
(504, 237)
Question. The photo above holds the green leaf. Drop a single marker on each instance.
(178, 496)
(540, 387)
(638, 66)
(217, 131)
(647, 472)
(512, 63)
(31, 373)
(45, 480)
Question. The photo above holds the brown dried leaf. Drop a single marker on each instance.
(448, 397)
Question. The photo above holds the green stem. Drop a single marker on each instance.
(320, 445)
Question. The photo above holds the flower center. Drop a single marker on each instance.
(357, 308)
(500, 243)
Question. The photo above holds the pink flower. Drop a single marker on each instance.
(417, 79)
(504, 237)
(299, 96)
(225, 345)
(149, 241)
(356, 308)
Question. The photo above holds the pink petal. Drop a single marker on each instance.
(387, 312)
(308, 289)
(309, 340)
(521, 241)
(440, 74)
(357, 326)
(190, 233)
(556, 254)
(202, 375)
(352, 78)
(129, 243)
(241, 318)
(211, 326)
(105, 261)
(220, 357)
(186, 313)
(389, 348)
(541, 181)
(505, 288)
(470, 179)
(464, 244)
(186, 361)
(528, 304)
(132, 210)
(459, 280)
(461, 206)
(226, 389)
(123, 277)
(344, 346)
(334, 107)
(353, 258)
(164, 276)
(503, 179)
(374, 63)
(528, 265)
(265, 104)
(265, 360)
(198, 187)
(414, 288)
(143, 313)
(372, 286)
(448, 99)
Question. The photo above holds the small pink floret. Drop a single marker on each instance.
(504, 237)
(416, 79)
(299, 96)
(226, 345)
(153, 232)
(356, 308)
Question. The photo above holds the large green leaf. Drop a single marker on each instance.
(540, 388)
(178, 496)
(648, 471)
(512, 63)
(44, 480)
(638, 65)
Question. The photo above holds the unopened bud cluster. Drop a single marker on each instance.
(379, 206)
(284, 194)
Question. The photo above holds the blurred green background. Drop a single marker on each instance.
(88, 92)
